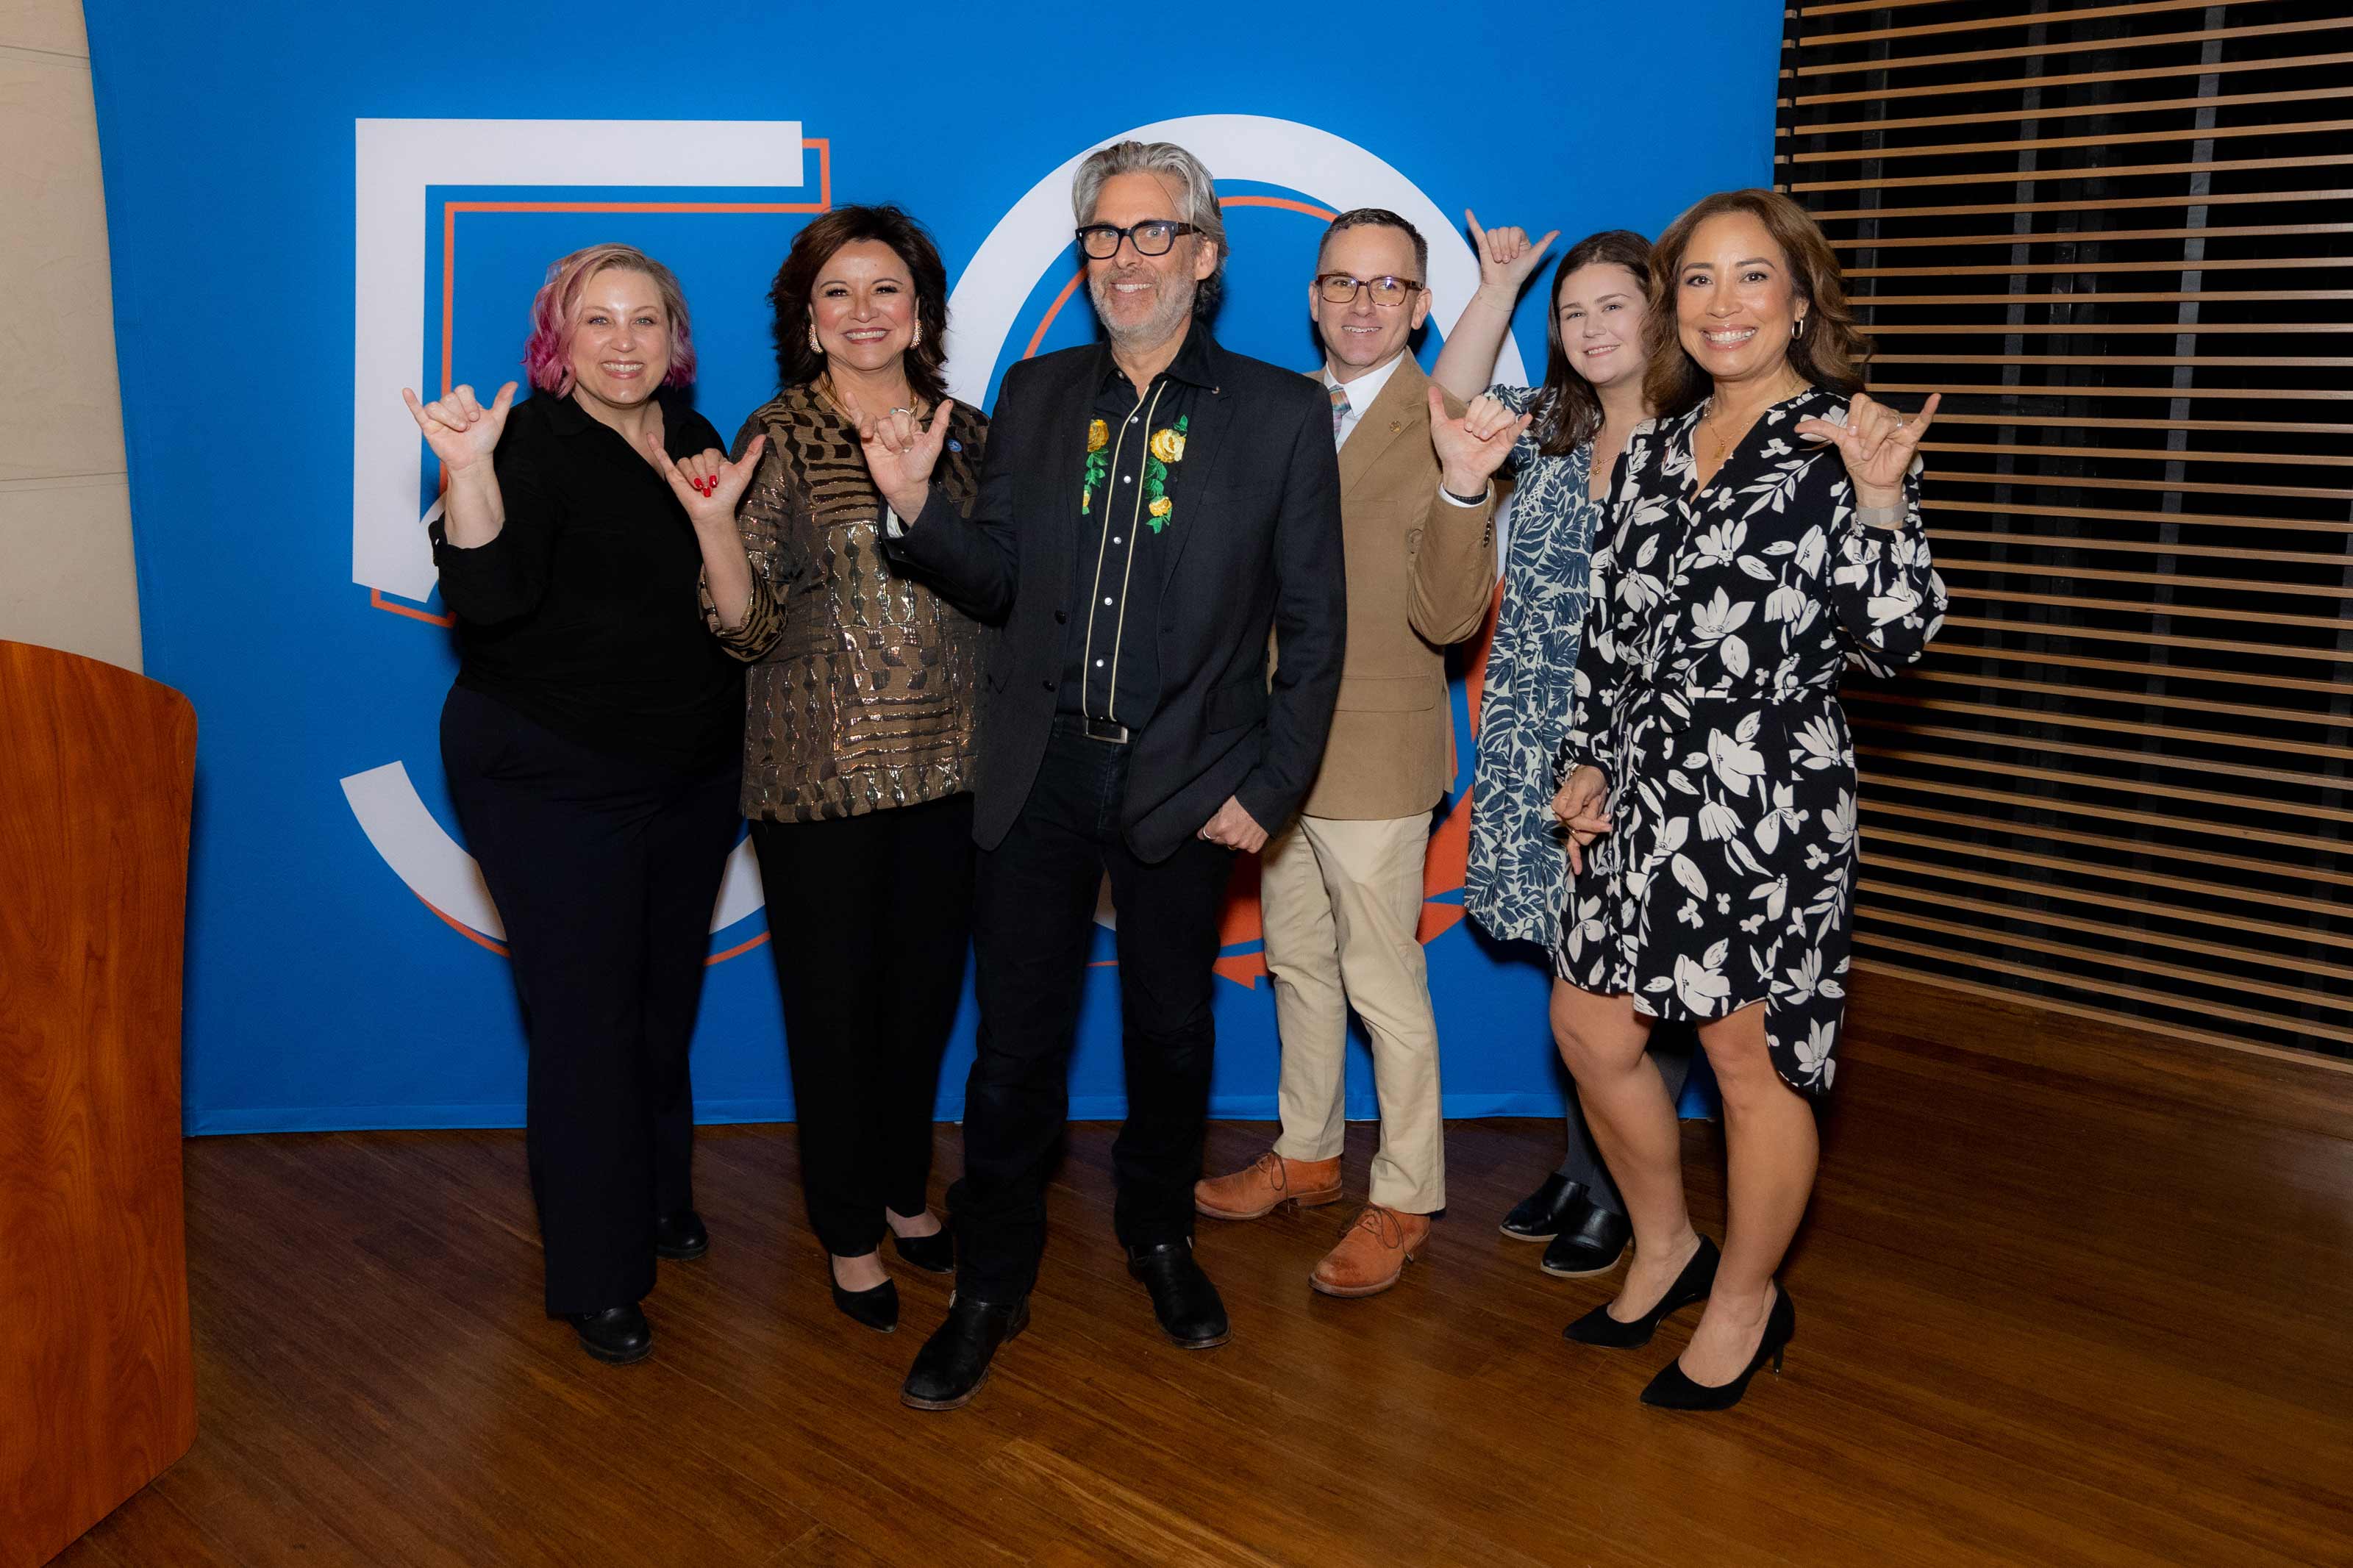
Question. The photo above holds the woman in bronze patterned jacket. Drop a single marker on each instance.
(858, 741)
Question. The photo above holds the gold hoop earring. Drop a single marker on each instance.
(1799, 330)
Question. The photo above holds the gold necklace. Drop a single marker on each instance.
(848, 410)
(1723, 447)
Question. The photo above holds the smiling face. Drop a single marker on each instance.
(620, 341)
(1600, 307)
(863, 306)
(1737, 301)
(1362, 336)
(1145, 300)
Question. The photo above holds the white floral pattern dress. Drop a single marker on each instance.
(1707, 694)
(1517, 878)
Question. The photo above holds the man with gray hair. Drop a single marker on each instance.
(1150, 507)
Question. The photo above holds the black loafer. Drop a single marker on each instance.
(953, 1363)
(616, 1334)
(876, 1308)
(681, 1235)
(1592, 1242)
(1187, 1304)
(1542, 1215)
(933, 1254)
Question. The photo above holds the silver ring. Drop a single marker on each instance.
(903, 410)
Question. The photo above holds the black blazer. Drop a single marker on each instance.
(1260, 547)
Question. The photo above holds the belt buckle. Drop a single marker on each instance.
(1107, 729)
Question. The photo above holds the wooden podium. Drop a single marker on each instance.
(97, 1384)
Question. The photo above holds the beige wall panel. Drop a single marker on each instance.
(53, 26)
(66, 575)
(61, 408)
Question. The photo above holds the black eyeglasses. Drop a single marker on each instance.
(1342, 289)
(1152, 237)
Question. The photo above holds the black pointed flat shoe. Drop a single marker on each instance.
(1671, 1390)
(933, 1254)
(876, 1308)
(1591, 1243)
(615, 1335)
(1598, 1328)
(1542, 1214)
(681, 1235)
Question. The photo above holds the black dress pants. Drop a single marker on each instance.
(869, 923)
(1032, 923)
(603, 870)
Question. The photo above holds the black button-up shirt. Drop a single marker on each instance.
(582, 614)
(1128, 493)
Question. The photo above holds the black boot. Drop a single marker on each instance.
(1590, 1243)
(1545, 1213)
(953, 1363)
(680, 1235)
(616, 1334)
(1182, 1297)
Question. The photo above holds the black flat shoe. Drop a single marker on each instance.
(681, 1235)
(953, 1363)
(876, 1308)
(1598, 1328)
(1671, 1390)
(1188, 1307)
(1545, 1213)
(933, 1254)
(617, 1334)
(1592, 1242)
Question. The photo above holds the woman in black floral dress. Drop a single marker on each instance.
(1765, 530)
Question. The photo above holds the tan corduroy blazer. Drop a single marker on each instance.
(1421, 572)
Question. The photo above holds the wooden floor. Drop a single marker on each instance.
(2046, 1316)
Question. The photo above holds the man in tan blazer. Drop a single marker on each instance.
(1341, 886)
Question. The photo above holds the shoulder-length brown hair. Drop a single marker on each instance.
(789, 296)
(1830, 354)
(1568, 411)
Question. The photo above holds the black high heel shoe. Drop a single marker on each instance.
(875, 1308)
(1598, 1328)
(1671, 1390)
(933, 1254)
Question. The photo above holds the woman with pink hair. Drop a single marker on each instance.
(592, 741)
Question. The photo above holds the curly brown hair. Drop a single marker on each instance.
(1832, 354)
(789, 296)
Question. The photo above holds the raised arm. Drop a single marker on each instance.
(1453, 580)
(1883, 588)
(497, 528)
(1506, 257)
(971, 558)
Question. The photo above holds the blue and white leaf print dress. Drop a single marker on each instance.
(1707, 694)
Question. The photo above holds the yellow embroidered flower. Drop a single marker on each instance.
(1168, 446)
(1098, 436)
(1163, 507)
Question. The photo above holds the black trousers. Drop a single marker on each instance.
(603, 870)
(870, 921)
(1033, 921)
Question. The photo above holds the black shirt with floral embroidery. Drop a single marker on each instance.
(1128, 492)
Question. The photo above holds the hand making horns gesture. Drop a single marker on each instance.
(1470, 449)
(706, 483)
(901, 452)
(460, 431)
(1505, 255)
(1878, 444)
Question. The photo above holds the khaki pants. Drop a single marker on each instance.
(1340, 902)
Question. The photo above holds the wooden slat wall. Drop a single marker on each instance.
(2119, 239)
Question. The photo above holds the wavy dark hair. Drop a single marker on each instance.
(1831, 354)
(1568, 411)
(789, 296)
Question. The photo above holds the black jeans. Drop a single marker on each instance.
(1033, 921)
(604, 870)
(869, 919)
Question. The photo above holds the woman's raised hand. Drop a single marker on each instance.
(706, 483)
(1583, 807)
(460, 431)
(1877, 444)
(901, 451)
(1505, 256)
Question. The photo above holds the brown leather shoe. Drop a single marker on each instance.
(1372, 1253)
(1267, 1184)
